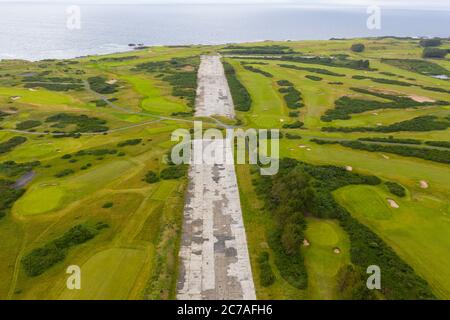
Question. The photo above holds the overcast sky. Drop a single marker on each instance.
(407, 4)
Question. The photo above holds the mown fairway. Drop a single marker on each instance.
(99, 126)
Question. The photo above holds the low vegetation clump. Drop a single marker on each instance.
(64, 173)
(419, 124)
(434, 53)
(41, 259)
(313, 78)
(391, 139)
(326, 61)
(256, 70)
(13, 169)
(131, 142)
(419, 66)
(315, 70)
(151, 177)
(100, 103)
(292, 96)
(257, 50)
(99, 84)
(95, 152)
(8, 195)
(345, 106)
(384, 81)
(436, 155)
(440, 144)
(10, 144)
(357, 47)
(173, 172)
(53, 83)
(108, 205)
(294, 125)
(28, 124)
(301, 188)
(241, 97)
(435, 42)
(266, 275)
(396, 189)
(292, 136)
(82, 122)
(180, 73)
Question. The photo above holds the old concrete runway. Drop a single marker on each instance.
(215, 263)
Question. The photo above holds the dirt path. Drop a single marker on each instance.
(215, 263)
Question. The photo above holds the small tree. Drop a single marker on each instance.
(357, 47)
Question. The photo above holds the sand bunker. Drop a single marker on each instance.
(393, 204)
(337, 250)
(348, 168)
(112, 81)
(306, 243)
(420, 99)
(424, 184)
(15, 98)
(385, 156)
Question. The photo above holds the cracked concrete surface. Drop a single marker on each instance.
(215, 263)
(213, 93)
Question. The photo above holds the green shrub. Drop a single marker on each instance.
(28, 124)
(64, 173)
(10, 144)
(396, 189)
(99, 85)
(256, 70)
(434, 53)
(313, 78)
(266, 275)
(108, 205)
(357, 47)
(41, 259)
(435, 42)
(151, 177)
(295, 125)
(241, 97)
(131, 142)
(173, 172)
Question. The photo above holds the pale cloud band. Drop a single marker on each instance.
(401, 4)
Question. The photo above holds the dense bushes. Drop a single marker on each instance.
(434, 53)
(313, 78)
(345, 106)
(315, 70)
(256, 50)
(64, 173)
(435, 42)
(391, 139)
(357, 47)
(99, 85)
(41, 259)
(53, 83)
(241, 98)
(292, 96)
(10, 144)
(440, 144)
(173, 172)
(130, 142)
(151, 177)
(436, 155)
(12, 168)
(28, 124)
(395, 189)
(326, 61)
(294, 125)
(83, 122)
(266, 275)
(306, 188)
(419, 66)
(285, 196)
(256, 70)
(422, 123)
(180, 73)
(8, 195)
